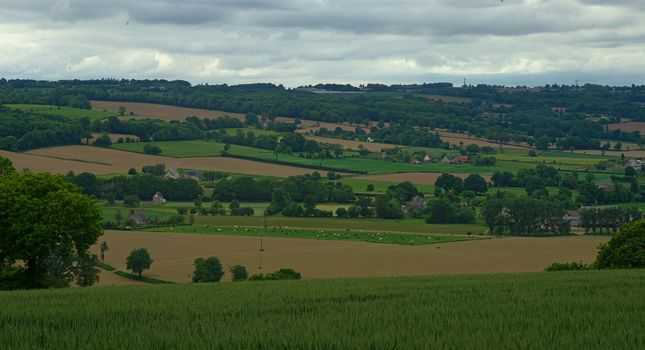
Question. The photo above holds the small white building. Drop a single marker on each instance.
(158, 199)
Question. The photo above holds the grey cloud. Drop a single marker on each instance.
(307, 41)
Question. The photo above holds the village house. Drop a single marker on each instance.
(637, 164)
(158, 199)
(427, 159)
(448, 160)
(415, 203)
(138, 217)
(461, 159)
(573, 216)
(192, 174)
(607, 186)
(172, 174)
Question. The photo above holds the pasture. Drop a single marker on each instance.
(174, 254)
(325, 235)
(365, 224)
(571, 310)
(93, 114)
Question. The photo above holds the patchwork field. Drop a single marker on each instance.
(174, 254)
(163, 112)
(85, 158)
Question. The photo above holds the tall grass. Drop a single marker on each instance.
(560, 310)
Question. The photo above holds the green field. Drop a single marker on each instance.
(367, 224)
(559, 310)
(510, 160)
(93, 114)
(371, 237)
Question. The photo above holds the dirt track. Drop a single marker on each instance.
(174, 254)
(107, 161)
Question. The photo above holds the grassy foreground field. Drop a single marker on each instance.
(570, 310)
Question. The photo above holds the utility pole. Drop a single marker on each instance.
(261, 242)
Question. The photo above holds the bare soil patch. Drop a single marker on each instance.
(628, 127)
(163, 112)
(454, 139)
(353, 145)
(174, 254)
(415, 178)
(40, 164)
(120, 162)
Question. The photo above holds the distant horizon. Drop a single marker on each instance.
(357, 85)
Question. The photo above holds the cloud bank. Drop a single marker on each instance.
(295, 42)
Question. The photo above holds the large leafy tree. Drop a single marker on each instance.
(46, 228)
(626, 249)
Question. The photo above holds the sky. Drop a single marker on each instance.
(301, 42)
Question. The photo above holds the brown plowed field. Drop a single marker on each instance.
(78, 158)
(39, 164)
(415, 178)
(628, 127)
(173, 255)
(454, 139)
(163, 112)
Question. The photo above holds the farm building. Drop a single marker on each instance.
(427, 159)
(158, 199)
(138, 217)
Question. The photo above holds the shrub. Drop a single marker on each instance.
(239, 273)
(103, 141)
(207, 270)
(282, 274)
(131, 201)
(572, 266)
(151, 149)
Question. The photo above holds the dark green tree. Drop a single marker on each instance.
(48, 226)
(138, 261)
(238, 273)
(626, 249)
(207, 270)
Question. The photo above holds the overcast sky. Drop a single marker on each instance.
(297, 42)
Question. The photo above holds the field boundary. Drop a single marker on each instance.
(298, 165)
